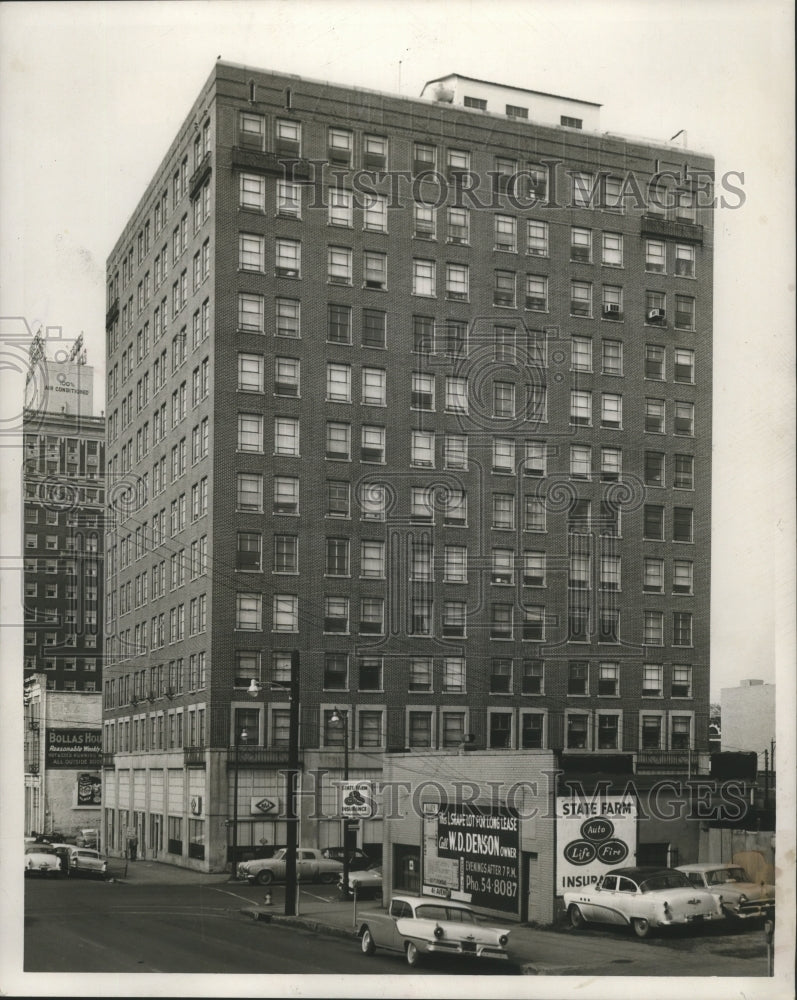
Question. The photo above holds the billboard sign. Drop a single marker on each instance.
(357, 799)
(73, 749)
(89, 789)
(473, 854)
(593, 835)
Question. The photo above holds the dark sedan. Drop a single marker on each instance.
(358, 860)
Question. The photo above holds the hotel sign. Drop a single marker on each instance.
(73, 749)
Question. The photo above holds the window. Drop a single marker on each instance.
(336, 614)
(531, 730)
(503, 512)
(653, 522)
(504, 289)
(651, 732)
(685, 206)
(252, 192)
(372, 616)
(286, 495)
(652, 680)
(423, 277)
(536, 455)
(653, 628)
(289, 199)
(455, 511)
(375, 212)
(534, 514)
(458, 223)
(370, 728)
(288, 137)
(684, 419)
(578, 678)
(653, 576)
(374, 331)
(338, 498)
(338, 441)
(336, 672)
(654, 416)
(612, 249)
(684, 261)
(581, 245)
(419, 725)
(655, 256)
(457, 281)
(423, 391)
(682, 628)
(680, 732)
(339, 269)
(455, 566)
(424, 221)
(503, 399)
(248, 614)
(684, 472)
(610, 572)
(250, 432)
(580, 298)
(475, 103)
(580, 407)
(684, 312)
(286, 554)
(505, 232)
(654, 468)
(421, 557)
(373, 388)
(286, 436)
(536, 293)
(251, 131)
(422, 449)
(372, 560)
(581, 354)
(337, 557)
(682, 527)
(500, 676)
(288, 258)
(681, 682)
(454, 675)
(375, 269)
(338, 382)
(514, 111)
(455, 451)
(537, 238)
(420, 676)
(579, 575)
(611, 357)
(608, 730)
(251, 252)
(501, 621)
(286, 613)
(373, 502)
(250, 373)
(339, 145)
(504, 456)
(249, 553)
(453, 725)
(339, 324)
(374, 152)
(612, 302)
(580, 461)
(454, 619)
(684, 370)
(420, 616)
(340, 207)
(456, 394)
(288, 317)
(608, 679)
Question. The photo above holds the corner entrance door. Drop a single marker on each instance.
(406, 868)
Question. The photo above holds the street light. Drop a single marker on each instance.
(244, 736)
(336, 719)
(291, 776)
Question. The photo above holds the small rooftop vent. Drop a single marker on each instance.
(445, 95)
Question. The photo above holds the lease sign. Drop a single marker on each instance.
(474, 851)
(593, 835)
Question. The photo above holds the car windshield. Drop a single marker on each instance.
(280, 854)
(39, 849)
(433, 911)
(665, 880)
(719, 876)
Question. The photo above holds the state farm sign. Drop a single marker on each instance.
(593, 835)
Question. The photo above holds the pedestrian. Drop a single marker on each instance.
(132, 847)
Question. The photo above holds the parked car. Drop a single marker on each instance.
(368, 883)
(645, 898)
(41, 860)
(311, 866)
(88, 837)
(358, 860)
(419, 925)
(738, 894)
(81, 860)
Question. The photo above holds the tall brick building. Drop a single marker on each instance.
(420, 388)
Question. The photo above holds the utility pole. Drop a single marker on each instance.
(291, 775)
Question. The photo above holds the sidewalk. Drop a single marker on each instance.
(146, 872)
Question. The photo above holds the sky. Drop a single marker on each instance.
(92, 94)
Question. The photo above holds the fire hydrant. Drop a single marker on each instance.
(267, 900)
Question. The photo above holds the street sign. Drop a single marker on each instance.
(357, 799)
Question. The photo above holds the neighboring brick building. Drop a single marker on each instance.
(422, 389)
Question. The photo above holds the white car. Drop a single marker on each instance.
(41, 860)
(81, 860)
(645, 898)
(738, 894)
(419, 925)
(367, 883)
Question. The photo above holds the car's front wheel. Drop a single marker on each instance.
(576, 917)
(642, 927)
(367, 943)
(265, 877)
(329, 877)
(413, 954)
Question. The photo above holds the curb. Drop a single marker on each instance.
(266, 916)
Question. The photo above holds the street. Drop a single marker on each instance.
(184, 926)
